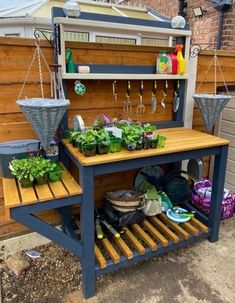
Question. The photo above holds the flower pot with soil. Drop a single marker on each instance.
(89, 143)
(103, 142)
(56, 173)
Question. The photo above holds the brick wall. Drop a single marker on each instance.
(205, 29)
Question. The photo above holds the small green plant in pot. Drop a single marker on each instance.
(55, 173)
(115, 144)
(103, 141)
(89, 143)
(149, 136)
(132, 137)
(40, 168)
(22, 170)
(73, 137)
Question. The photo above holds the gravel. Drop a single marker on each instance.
(47, 280)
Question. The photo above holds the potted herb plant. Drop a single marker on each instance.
(161, 140)
(103, 141)
(73, 137)
(55, 173)
(40, 168)
(22, 170)
(115, 144)
(89, 143)
(149, 136)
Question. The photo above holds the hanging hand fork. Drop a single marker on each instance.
(127, 106)
(164, 94)
(140, 107)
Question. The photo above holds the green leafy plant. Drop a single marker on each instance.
(149, 127)
(22, 169)
(103, 137)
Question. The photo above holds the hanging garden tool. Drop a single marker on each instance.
(79, 88)
(115, 90)
(164, 94)
(211, 105)
(176, 100)
(127, 106)
(140, 107)
(43, 114)
(154, 100)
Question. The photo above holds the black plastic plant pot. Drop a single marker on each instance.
(103, 149)
(147, 144)
(55, 176)
(89, 150)
(153, 143)
(42, 180)
(139, 146)
(26, 183)
(75, 143)
(115, 146)
(79, 147)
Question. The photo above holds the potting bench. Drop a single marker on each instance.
(155, 235)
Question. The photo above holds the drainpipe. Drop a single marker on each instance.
(220, 30)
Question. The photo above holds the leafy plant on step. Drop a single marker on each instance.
(22, 169)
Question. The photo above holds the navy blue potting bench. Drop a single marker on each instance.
(181, 144)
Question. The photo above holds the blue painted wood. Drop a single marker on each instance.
(217, 192)
(51, 204)
(121, 69)
(168, 124)
(47, 231)
(198, 215)
(178, 116)
(66, 222)
(148, 254)
(86, 175)
(153, 160)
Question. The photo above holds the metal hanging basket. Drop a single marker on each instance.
(210, 107)
(44, 114)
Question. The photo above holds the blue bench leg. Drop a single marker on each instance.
(217, 193)
(87, 230)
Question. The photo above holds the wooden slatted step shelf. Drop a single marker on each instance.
(149, 235)
(15, 195)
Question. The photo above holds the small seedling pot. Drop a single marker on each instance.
(89, 150)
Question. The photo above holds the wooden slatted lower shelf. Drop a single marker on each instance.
(152, 233)
(15, 195)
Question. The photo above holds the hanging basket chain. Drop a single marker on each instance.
(27, 74)
(215, 62)
(40, 70)
(39, 54)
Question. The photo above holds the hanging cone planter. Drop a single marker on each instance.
(211, 105)
(44, 114)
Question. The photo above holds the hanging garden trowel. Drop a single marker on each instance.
(176, 100)
(154, 100)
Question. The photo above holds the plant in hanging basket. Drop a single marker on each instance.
(22, 170)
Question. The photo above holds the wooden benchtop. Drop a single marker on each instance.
(15, 195)
(178, 139)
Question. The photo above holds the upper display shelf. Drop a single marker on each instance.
(99, 76)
